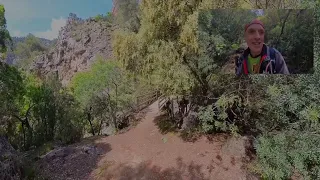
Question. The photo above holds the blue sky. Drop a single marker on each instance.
(44, 18)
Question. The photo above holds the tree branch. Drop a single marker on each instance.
(18, 118)
(28, 111)
(283, 25)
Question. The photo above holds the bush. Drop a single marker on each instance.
(289, 103)
(70, 123)
(217, 117)
(283, 154)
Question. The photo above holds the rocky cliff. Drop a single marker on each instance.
(79, 43)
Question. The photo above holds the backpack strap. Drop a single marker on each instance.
(271, 58)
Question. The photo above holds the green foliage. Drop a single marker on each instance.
(107, 18)
(227, 23)
(11, 92)
(106, 89)
(162, 29)
(167, 73)
(4, 33)
(283, 154)
(292, 33)
(291, 105)
(26, 51)
(103, 74)
(215, 118)
(70, 121)
(98, 17)
(288, 113)
(36, 112)
(235, 46)
(206, 116)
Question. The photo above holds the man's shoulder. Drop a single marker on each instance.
(276, 51)
(273, 49)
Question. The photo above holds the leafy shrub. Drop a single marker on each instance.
(282, 154)
(291, 104)
(215, 118)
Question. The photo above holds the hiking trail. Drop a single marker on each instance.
(144, 153)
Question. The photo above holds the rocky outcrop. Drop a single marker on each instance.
(76, 161)
(10, 164)
(79, 43)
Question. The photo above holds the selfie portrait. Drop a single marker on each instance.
(271, 41)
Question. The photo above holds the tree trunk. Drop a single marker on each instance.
(115, 122)
(30, 132)
(24, 137)
(89, 119)
(26, 123)
(114, 118)
(283, 26)
(92, 129)
(100, 126)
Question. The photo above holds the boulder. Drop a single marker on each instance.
(10, 163)
(191, 121)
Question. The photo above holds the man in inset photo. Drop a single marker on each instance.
(259, 58)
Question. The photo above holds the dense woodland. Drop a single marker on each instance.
(171, 47)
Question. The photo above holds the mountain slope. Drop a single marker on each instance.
(79, 43)
(11, 58)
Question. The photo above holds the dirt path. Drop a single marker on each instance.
(145, 153)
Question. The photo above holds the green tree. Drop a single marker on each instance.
(103, 92)
(11, 83)
(38, 112)
(4, 33)
(11, 92)
(163, 26)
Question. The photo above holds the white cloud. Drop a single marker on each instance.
(52, 33)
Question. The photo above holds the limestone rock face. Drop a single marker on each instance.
(79, 43)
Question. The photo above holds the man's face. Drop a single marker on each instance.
(254, 37)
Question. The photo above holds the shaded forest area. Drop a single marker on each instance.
(156, 46)
(291, 32)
